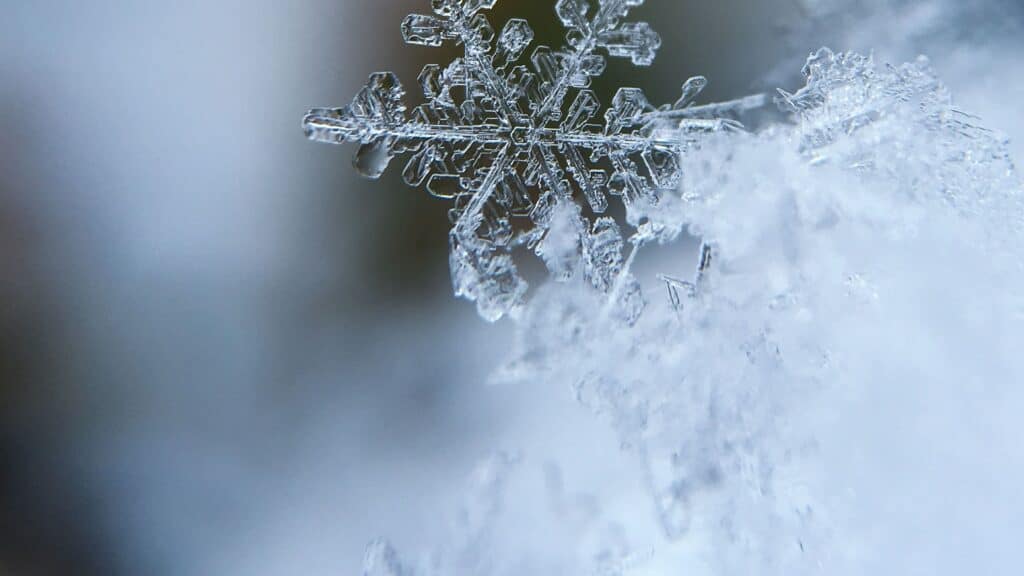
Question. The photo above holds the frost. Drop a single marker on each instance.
(865, 250)
(948, 157)
(830, 234)
(880, 198)
(510, 142)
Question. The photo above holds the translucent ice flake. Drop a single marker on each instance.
(508, 140)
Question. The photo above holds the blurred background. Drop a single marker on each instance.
(220, 350)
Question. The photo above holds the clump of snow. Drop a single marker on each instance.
(837, 392)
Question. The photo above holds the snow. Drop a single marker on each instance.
(835, 393)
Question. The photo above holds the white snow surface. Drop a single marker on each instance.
(840, 395)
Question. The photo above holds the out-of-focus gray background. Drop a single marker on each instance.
(220, 350)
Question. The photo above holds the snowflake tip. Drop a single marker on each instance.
(426, 30)
(636, 41)
(450, 8)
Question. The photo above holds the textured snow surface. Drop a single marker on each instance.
(837, 394)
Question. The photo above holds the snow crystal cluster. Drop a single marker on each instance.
(835, 237)
(509, 143)
(867, 251)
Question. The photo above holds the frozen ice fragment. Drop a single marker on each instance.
(573, 13)
(444, 185)
(483, 31)
(636, 41)
(691, 89)
(582, 110)
(425, 30)
(514, 39)
(628, 105)
(473, 6)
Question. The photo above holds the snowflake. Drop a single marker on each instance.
(511, 143)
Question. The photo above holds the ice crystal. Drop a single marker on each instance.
(867, 256)
(510, 143)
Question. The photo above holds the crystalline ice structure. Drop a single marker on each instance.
(508, 140)
(858, 247)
